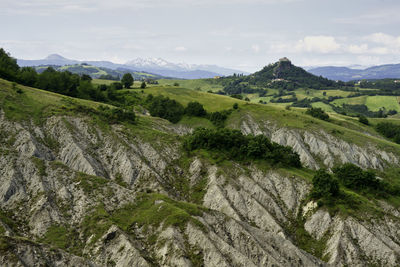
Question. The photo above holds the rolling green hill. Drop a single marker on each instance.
(172, 176)
(125, 176)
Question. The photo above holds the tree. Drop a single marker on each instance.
(127, 80)
(195, 109)
(356, 178)
(143, 85)
(235, 106)
(8, 66)
(165, 108)
(363, 120)
(86, 77)
(317, 113)
(28, 76)
(324, 185)
(116, 85)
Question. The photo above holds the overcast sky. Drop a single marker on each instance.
(242, 34)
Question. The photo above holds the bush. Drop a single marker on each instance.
(353, 177)
(219, 118)
(389, 130)
(237, 96)
(318, 113)
(195, 109)
(234, 145)
(363, 120)
(114, 115)
(143, 85)
(165, 108)
(127, 80)
(324, 185)
(116, 85)
(235, 106)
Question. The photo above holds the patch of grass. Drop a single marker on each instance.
(154, 209)
(148, 210)
(195, 122)
(211, 102)
(323, 106)
(57, 235)
(63, 237)
(4, 243)
(360, 100)
(304, 240)
(96, 223)
(375, 103)
(196, 84)
(89, 183)
(119, 180)
(40, 166)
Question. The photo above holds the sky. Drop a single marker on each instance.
(240, 34)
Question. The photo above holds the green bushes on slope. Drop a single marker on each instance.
(389, 130)
(234, 145)
(317, 113)
(163, 107)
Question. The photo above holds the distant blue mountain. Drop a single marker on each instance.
(151, 65)
(348, 74)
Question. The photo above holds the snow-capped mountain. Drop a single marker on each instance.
(162, 64)
(152, 65)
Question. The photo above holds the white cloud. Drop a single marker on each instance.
(180, 49)
(384, 39)
(48, 7)
(255, 48)
(381, 15)
(318, 44)
(358, 49)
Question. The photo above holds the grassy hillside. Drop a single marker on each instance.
(196, 84)
(211, 102)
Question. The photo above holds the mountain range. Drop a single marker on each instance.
(157, 66)
(348, 74)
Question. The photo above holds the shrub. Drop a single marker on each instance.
(363, 120)
(116, 85)
(324, 185)
(237, 96)
(219, 118)
(114, 115)
(355, 178)
(195, 109)
(165, 108)
(127, 80)
(317, 113)
(235, 106)
(234, 145)
(389, 130)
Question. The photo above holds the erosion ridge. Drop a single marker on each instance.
(75, 191)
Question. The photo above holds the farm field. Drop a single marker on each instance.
(197, 84)
(211, 102)
(374, 103)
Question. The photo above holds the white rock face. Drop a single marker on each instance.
(247, 213)
(315, 147)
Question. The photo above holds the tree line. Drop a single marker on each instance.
(233, 145)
